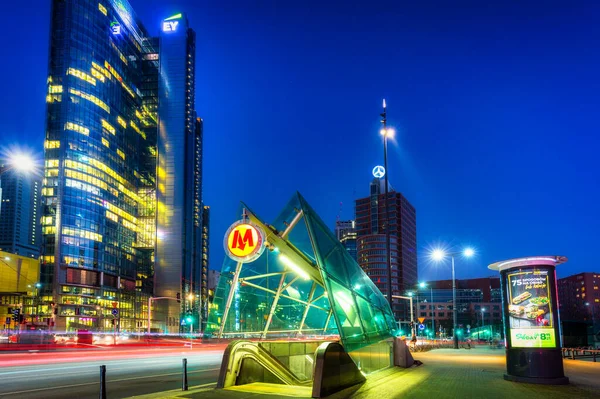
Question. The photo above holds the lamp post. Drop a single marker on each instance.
(439, 255)
(423, 285)
(591, 305)
(483, 319)
(385, 132)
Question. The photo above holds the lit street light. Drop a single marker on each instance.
(439, 255)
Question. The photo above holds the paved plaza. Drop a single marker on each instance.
(445, 373)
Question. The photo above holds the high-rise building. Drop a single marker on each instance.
(20, 212)
(345, 232)
(178, 267)
(102, 195)
(205, 294)
(371, 225)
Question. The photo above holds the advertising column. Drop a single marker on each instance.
(531, 321)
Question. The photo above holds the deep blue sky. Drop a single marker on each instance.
(496, 105)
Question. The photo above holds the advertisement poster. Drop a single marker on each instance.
(530, 309)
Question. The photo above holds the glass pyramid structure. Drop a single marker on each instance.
(305, 284)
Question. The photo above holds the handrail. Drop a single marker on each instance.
(237, 351)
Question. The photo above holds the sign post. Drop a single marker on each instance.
(531, 322)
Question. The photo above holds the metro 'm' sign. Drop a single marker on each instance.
(244, 242)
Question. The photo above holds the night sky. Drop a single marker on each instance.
(496, 107)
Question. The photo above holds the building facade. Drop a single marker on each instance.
(205, 280)
(579, 301)
(479, 303)
(345, 232)
(20, 212)
(371, 225)
(19, 289)
(100, 188)
(178, 267)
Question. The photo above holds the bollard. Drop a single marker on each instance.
(102, 382)
(185, 380)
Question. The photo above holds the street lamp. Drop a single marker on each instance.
(439, 255)
(482, 323)
(423, 285)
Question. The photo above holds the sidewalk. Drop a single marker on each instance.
(446, 373)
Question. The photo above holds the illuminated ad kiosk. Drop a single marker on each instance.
(531, 320)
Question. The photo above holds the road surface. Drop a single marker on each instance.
(129, 372)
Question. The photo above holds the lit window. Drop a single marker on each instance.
(121, 153)
(102, 9)
(112, 70)
(105, 142)
(52, 144)
(81, 75)
(122, 121)
(101, 69)
(112, 216)
(108, 126)
(90, 98)
(137, 129)
(90, 235)
(77, 128)
(51, 163)
(48, 191)
(128, 90)
(52, 89)
(97, 75)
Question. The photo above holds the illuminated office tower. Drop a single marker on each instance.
(371, 224)
(178, 259)
(99, 188)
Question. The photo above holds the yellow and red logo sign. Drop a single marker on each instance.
(244, 242)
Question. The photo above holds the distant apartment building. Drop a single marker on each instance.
(479, 303)
(579, 301)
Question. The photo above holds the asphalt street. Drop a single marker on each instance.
(124, 377)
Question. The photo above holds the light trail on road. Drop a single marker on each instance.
(128, 372)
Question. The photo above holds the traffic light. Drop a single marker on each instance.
(189, 318)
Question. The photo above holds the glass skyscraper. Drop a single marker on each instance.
(178, 264)
(20, 194)
(99, 223)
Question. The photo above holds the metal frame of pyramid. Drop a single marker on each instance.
(304, 285)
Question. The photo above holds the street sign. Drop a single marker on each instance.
(421, 326)
(421, 319)
(115, 312)
(183, 322)
(115, 304)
